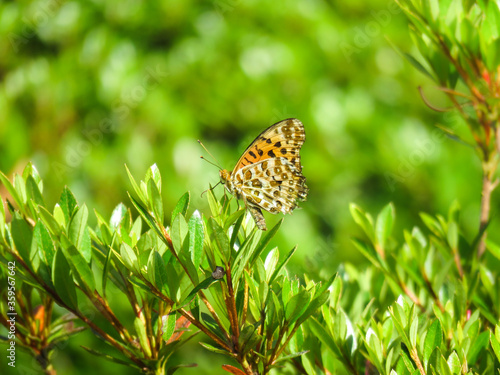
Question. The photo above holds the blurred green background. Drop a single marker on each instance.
(88, 86)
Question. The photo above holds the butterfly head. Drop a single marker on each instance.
(225, 179)
(224, 175)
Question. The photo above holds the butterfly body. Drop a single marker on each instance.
(269, 175)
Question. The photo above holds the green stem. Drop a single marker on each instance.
(489, 168)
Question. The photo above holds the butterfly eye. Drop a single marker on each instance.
(224, 175)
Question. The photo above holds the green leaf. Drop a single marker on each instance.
(213, 348)
(493, 248)
(368, 251)
(432, 224)
(221, 240)
(336, 292)
(63, 282)
(20, 187)
(215, 206)
(49, 221)
(454, 363)
(2, 220)
(192, 294)
(236, 228)
(67, 202)
(173, 369)
(196, 237)
(182, 206)
(297, 305)
(413, 332)
(149, 219)
(478, 346)
(140, 329)
(322, 334)
(364, 220)
(10, 188)
(408, 363)
(105, 272)
(178, 232)
(281, 265)
(137, 190)
(22, 236)
(270, 263)
(374, 346)
(384, 225)
(293, 355)
(495, 344)
(129, 257)
(399, 319)
(417, 65)
(79, 233)
(168, 327)
(160, 271)
(117, 216)
(59, 216)
(79, 267)
(452, 235)
(30, 170)
(235, 217)
(437, 363)
(33, 191)
(111, 359)
(249, 338)
(245, 252)
(153, 173)
(343, 326)
(155, 200)
(493, 55)
(264, 242)
(491, 23)
(45, 243)
(433, 340)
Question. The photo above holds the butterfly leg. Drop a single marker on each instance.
(257, 217)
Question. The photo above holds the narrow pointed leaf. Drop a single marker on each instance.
(33, 191)
(79, 234)
(264, 242)
(433, 340)
(182, 206)
(67, 202)
(79, 267)
(160, 271)
(155, 200)
(45, 244)
(384, 225)
(196, 237)
(22, 236)
(63, 281)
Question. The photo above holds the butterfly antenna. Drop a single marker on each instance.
(209, 153)
(213, 187)
(209, 162)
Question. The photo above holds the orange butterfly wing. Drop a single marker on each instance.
(283, 139)
(263, 179)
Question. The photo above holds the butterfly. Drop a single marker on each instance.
(268, 175)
